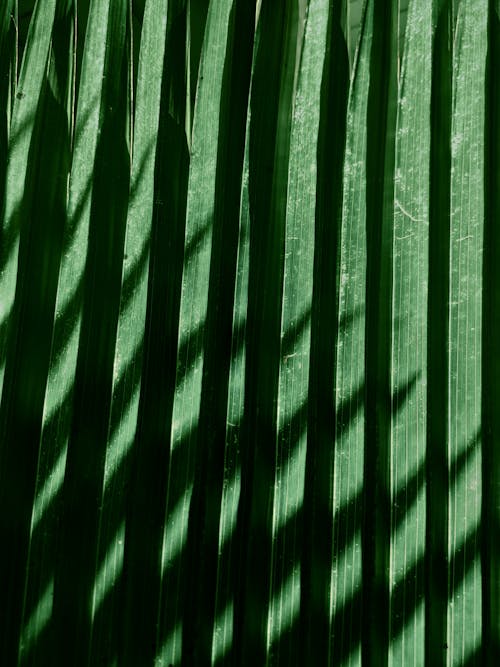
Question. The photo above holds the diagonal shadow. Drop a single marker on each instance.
(190, 250)
(149, 459)
(47, 509)
(287, 533)
(91, 402)
(67, 323)
(380, 156)
(437, 389)
(207, 487)
(347, 621)
(348, 528)
(490, 371)
(44, 540)
(461, 561)
(42, 218)
(199, 579)
(272, 79)
(411, 587)
(63, 330)
(317, 551)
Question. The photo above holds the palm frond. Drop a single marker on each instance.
(248, 318)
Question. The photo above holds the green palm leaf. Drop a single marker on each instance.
(248, 328)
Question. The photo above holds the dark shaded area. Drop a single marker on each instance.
(198, 10)
(282, 650)
(82, 15)
(347, 521)
(381, 127)
(203, 529)
(273, 75)
(7, 50)
(287, 545)
(127, 620)
(44, 538)
(490, 519)
(228, 568)
(402, 605)
(437, 354)
(475, 658)
(317, 552)
(41, 218)
(79, 527)
(150, 456)
(136, 18)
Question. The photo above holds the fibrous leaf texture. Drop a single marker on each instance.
(249, 318)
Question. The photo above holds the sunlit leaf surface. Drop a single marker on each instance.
(249, 320)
